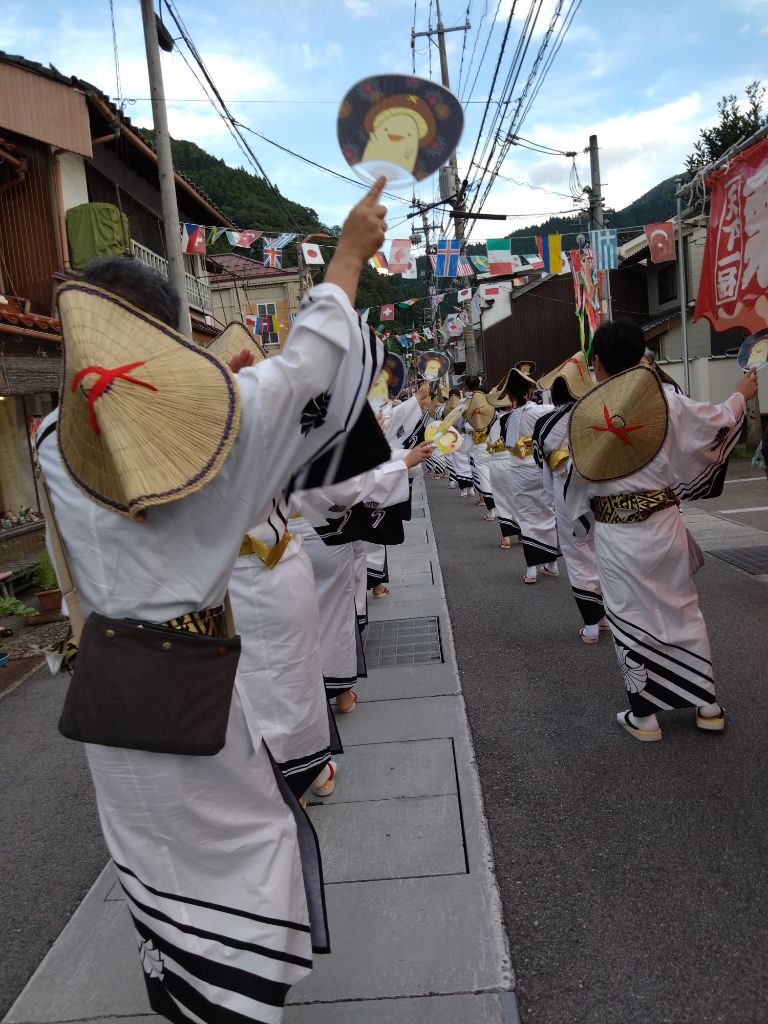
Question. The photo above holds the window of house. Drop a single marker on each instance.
(268, 309)
(666, 282)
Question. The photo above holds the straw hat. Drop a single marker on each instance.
(233, 339)
(526, 367)
(574, 373)
(480, 412)
(450, 405)
(500, 395)
(619, 426)
(146, 416)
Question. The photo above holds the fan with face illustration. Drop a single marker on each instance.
(399, 126)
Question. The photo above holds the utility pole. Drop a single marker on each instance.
(597, 215)
(457, 201)
(176, 272)
(682, 289)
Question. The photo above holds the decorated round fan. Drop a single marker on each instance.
(753, 354)
(399, 126)
(446, 441)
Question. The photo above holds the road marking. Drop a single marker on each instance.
(745, 479)
(734, 511)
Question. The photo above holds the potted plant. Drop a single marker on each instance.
(13, 614)
(49, 594)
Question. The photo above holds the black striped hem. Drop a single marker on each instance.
(224, 940)
(628, 626)
(211, 972)
(219, 908)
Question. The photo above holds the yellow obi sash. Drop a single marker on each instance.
(496, 447)
(631, 508)
(270, 556)
(555, 458)
(522, 448)
(478, 436)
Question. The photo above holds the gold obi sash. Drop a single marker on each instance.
(522, 448)
(496, 447)
(208, 622)
(631, 508)
(478, 436)
(270, 556)
(555, 458)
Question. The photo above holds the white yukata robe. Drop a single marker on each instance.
(550, 436)
(650, 598)
(532, 503)
(280, 669)
(335, 566)
(207, 849)
(462, 463)
(505, 425)
(480, 459)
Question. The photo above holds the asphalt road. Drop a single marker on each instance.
(633, 876)
(50, 843)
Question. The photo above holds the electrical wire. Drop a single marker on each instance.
(118, 84)
(463, 46)
(474, 50)
(485, 51)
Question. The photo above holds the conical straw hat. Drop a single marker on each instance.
(233, 339)
(500, 394)
(480, 412)
(450, 405)
(575, 375)
(619, 426)
(146, 416)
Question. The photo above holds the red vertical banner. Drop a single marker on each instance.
(734, 274)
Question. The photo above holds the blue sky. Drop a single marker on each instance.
(643, 76)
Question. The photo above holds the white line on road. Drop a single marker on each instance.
(734, 511)
(745, 479)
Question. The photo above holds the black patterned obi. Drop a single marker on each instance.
(631, 508)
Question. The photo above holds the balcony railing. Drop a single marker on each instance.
(198, 292)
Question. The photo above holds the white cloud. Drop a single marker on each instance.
(359, 8)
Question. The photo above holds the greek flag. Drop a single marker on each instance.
(282, 240)
(605, 248)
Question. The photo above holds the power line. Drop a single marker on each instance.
(482, 59)
(314, 163)
(463, 46)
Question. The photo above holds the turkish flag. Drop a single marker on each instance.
(387, 313)
(661, 241)
(247, 238)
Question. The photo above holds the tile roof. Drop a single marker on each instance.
(11, 315)
(242, 267)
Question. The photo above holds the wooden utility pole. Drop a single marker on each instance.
(176, 272)
(597, 215)
(457, 199)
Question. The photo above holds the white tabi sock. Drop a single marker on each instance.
(593, 631)
(710, 710)
(644, 721)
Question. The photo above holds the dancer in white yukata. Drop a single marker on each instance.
(508, 398)
(480, 416)
(566, 384)
(637, 450)
(272, 591)
(462, 461)
(163, 463)
(532, 504)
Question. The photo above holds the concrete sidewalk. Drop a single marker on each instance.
(415, 915)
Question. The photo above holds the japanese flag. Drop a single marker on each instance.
(410, 272)
(312, 254)
(464, 295)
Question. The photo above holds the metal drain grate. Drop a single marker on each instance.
(753, 560)
(403, 642)
(418, 513)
